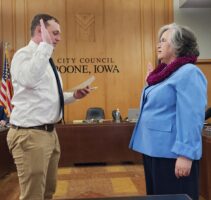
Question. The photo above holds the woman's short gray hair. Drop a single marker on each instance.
(183, 40)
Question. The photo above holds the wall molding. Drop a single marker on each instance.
(204, 61)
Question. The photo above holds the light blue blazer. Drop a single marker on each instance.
(172, 115)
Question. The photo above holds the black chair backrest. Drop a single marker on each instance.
(95, 113)
(208, 113)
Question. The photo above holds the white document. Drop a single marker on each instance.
(84, 84)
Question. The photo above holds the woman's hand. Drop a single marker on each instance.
(182, 167)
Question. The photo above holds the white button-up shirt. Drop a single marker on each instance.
(36, 99)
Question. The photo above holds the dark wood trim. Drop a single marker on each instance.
(204, 61)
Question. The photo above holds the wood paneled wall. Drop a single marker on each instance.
(122, 31)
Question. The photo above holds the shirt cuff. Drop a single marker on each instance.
(69, 98)
(187, 151)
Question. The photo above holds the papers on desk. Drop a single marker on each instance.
(84, 84)
(77, 121)
(91, 121)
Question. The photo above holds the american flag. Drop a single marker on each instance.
(6, 86)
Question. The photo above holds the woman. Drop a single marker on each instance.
(168, 131)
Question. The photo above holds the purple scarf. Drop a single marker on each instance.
(163, 70)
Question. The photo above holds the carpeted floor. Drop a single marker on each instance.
(91, 181)
(100, 181)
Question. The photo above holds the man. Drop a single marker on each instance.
(37, 101)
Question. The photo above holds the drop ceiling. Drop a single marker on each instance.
(195, 3)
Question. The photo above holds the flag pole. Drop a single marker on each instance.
(6, 85)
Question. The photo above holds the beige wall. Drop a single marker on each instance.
(122, 31)
(198, 19)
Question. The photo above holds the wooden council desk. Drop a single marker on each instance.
(96, 143)
(6, 160)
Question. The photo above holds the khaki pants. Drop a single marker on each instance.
(36, 154)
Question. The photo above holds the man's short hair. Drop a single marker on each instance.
(36, 21)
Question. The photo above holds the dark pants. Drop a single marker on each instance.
(160, 178)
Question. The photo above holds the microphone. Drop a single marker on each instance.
(208, 113)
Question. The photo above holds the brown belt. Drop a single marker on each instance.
(44, 127)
